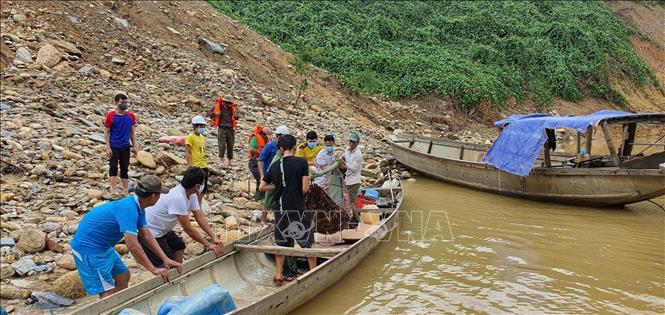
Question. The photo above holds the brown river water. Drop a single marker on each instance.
(458, 250)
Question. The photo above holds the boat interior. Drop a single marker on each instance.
(622, 156)
(247, 272)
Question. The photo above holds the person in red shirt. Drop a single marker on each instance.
(120, 136)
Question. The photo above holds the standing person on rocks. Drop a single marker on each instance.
(352, 161)
(224, 117)
(173, 208)
(195, 150)
(99, 265)
(289, 180)
(310, 148)
(119, 134)
(267, 158)
(257, 140)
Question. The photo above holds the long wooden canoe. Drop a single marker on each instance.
(247, 267)
(461, 163)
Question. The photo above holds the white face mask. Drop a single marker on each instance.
(200, 188)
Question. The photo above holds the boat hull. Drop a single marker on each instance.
(607, 187)
(247, 275)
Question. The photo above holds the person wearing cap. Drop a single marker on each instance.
(257, 140)
(173, 208)
(195, 150)
(224, 116)
(352, 161)
(120, 136)
(310, 148)
(99, 265)
(269, 155)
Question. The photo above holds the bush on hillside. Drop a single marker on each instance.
(468, 50)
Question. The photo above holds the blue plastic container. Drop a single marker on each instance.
(373, 193)
(213, 300)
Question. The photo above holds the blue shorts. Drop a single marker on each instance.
(97, 270)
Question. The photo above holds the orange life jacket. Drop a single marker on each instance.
(260, 142)
(217, 112)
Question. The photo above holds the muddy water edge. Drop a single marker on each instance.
(459, 250)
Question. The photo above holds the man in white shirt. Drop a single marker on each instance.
(352, 160)
(324, 159)
(173, 208)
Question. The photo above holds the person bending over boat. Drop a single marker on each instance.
(173, 208)
(289, 180)
(99, 265)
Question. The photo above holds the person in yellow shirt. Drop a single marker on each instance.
(310, 149)
(195, 150)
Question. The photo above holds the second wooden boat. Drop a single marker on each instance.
(614, 180)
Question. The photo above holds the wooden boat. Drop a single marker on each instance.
(246, 270)
(613, 180)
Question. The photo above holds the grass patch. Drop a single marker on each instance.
(470, 51)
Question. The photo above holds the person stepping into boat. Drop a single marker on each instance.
(173, 208)
(99, 265)
(269, 155)
(352, 161)
(289, 180)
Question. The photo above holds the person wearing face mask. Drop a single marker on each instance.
(324, 159)
(119, 135)
(174, 208)
(310, 148)
(257, 140)
(195, 150)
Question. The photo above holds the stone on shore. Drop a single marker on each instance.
(146, 159)
(31, 241)
(66, 262)
(69, 285)
(121, 249)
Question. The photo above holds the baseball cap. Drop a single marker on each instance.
(151, 184)
(354, 137)
(282, 130)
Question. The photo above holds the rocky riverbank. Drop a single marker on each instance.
(61, 65)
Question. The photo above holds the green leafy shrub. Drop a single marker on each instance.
(471, 51)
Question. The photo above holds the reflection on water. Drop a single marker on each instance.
(459, 250)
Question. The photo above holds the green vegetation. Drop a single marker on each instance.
(470, 51)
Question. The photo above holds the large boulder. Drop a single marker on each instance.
(210, 45)
(48, 55)
(146, 159)
(69, 285)
(32, 240)
(169, 159)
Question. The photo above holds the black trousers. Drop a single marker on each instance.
(119, 156)
(170, 243)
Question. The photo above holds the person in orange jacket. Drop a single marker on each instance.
(224, 116)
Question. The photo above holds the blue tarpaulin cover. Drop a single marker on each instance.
(517, 147)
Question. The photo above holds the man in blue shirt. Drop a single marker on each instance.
(119, 135)
(99, 265)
